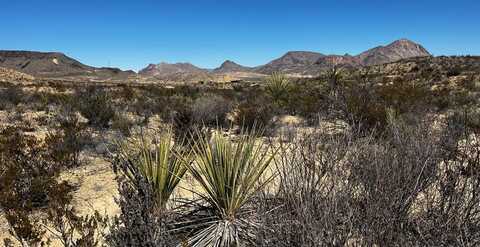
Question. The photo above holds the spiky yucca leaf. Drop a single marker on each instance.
(278, 86)
(228, 174)
(162, 164)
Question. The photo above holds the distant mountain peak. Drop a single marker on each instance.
(230, 66)
(399, 49)
(226, 62)
(174, 71)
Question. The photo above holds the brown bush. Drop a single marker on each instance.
(211, 110)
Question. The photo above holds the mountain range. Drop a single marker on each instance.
(53, 64)
(302, 62)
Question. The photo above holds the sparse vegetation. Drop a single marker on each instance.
(376, 158)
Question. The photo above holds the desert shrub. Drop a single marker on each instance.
(34, 202)
(161, 163)
(68, 140)
(277, 87)
(453, 198)
(27, 179)
(139, 222)
(186, 91)
(403, 97)
(127, 93)
(466, 117)
(364, 104)
(95, 104)
(11, 95)
(311, 205)
(229, 175)
(359, 106)
(181, 115)
(254, 111)
(251, 115)
(388, 177)
(146, 107)
(454, 71)
(72, 230)
(211, 110)
(307, 99)
(122, 123)
(27, 174)
(398, 190)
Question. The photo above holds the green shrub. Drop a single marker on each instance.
(229, 175)
(277, 87)
(95, 104)
(161, 163)
(255, 111)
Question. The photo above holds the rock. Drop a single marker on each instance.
(289, 120)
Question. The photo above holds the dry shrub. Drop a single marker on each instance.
(211, 110)
(96, 105)
(140, 222)
(68, 140)
(12, 95)
(254, 112)
(34, 201)
(358, 189)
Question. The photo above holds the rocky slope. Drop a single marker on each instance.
(11, 75)
(311, 63)
(54, 64)
(291, 62)
(230, 67)
(395, 51)
(300, 63)
(175, 72)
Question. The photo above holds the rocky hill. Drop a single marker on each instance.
(291, 62)
(230, 67)
(430, 68)
(54, 64)
(395, 51)
(175, 72)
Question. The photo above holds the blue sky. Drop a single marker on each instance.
(132, 34)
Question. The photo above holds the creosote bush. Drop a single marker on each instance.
(95, 104)
(254, 112)
(34, 202)
(66, 143)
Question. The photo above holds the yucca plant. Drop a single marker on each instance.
(162, 163)
(229, 174)
(278, 87)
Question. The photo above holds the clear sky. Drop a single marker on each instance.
(132, 34)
